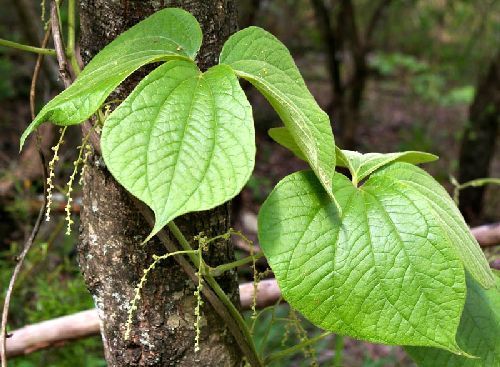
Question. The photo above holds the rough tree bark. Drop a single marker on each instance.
(110, 255)
(478, 143)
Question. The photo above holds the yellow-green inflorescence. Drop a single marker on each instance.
(83, 153)
(52, 164)
(137, 292)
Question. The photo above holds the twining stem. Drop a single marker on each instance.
(339, 350)
(179, 236)
(19, 46)
(474, 183)
(218, 270)
(235, 314)
(71, 27)
(58, 44)
(245, 344)
(295, 349)
(70, 47)
(261, 312)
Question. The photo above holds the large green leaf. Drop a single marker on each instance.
(169, 33)
(478, 333)
(262, 59)
(363, 165)
(389, 270)
(182, 141)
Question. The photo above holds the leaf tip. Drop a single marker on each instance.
(23, 138)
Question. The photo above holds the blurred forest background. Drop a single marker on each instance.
(393, 75)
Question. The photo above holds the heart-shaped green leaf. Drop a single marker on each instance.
(264, 61)
(169, 33)
(388, 270)
(363, 165)
(182, 141)
(478, 333)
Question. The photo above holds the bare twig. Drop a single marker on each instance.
(15, 274)
(58, 45)
(36, 227)
(36, 73)
(53, 332)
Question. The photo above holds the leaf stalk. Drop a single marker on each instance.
(20, 46)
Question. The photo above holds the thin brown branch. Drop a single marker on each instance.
(41, 214)
(36, 73)
(59, 46)
(32, 28)
(375, 19)
(10, 288)
(331, 44)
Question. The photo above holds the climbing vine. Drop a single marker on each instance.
(381, 255)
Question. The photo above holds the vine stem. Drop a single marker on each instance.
(246, 344)
(339, 350)
(235, 314)
(218, 270)
(19, 46)
(41, 214)
(70, 48)
(296, 348)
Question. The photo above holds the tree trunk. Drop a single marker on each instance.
(478, 142)
(110, 255)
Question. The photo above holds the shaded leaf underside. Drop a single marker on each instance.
(478, 333)
(264, 61)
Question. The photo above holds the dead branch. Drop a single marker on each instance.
(57, 332)
(487, 234)
(53, 332)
